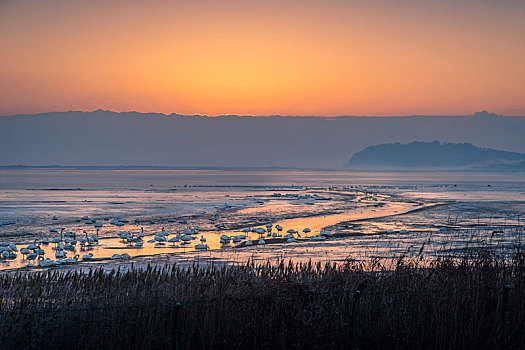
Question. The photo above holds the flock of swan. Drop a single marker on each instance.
(68, 241)
(190, 234)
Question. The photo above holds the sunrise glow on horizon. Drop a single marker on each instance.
(286, 57)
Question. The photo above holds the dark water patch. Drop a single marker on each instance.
(47, 201)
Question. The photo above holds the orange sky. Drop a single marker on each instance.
(300, 57)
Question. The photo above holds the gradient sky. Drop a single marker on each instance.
(288, 57)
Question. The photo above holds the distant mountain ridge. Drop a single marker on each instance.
(436, 155)
(105, 138)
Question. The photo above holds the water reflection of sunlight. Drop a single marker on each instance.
(34, 208)
(108, 246)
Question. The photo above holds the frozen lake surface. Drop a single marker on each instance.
(368, 214)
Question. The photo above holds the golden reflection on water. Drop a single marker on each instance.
(316, 223)
(107, 247)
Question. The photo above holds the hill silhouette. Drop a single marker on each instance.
(423, 155)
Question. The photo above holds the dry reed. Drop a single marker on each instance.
(446, 303)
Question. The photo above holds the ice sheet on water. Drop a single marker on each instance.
(32, 197)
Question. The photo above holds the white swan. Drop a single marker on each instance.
(32, 256)
(186, 238)
(174, 240)
(60, 254)
(57, 240)
(72, 261)
(318, 238)
(25, 251)
(159, 239)
(46, 262)
(95, 237)
(32, 246)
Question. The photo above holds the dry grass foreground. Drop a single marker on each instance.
(446, 303)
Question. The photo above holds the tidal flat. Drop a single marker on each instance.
(119, 218)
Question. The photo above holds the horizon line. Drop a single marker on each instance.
(475, 114)
(262, 168)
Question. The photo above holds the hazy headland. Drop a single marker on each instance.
(436, 156)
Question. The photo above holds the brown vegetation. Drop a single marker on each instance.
(443, 304)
